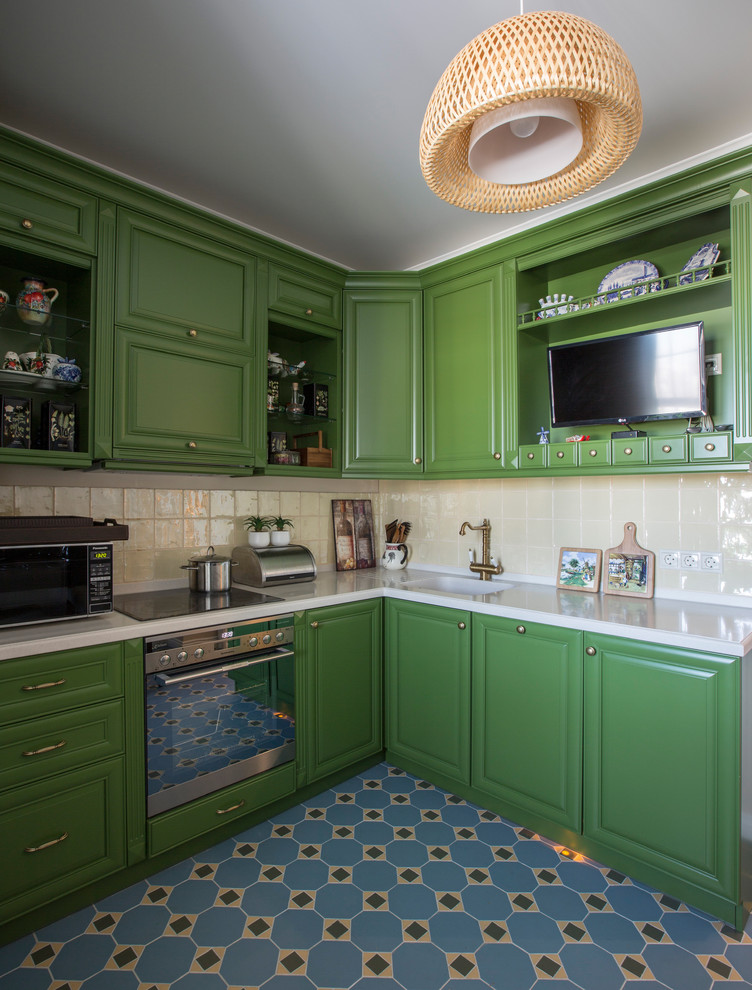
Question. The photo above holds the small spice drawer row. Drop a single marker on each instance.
(693, 448)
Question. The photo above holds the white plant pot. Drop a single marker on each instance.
(280, 537)
(258, 540)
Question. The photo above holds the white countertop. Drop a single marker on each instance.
(716, 628)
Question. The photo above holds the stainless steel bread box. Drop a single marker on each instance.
(273, 565)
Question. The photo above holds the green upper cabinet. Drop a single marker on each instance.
(662, 765)
(427, 651)
(383, 386)
(527, 720)
(305, 297)
(173, 281)
(342, 720)
(43, 211)
(464, 375)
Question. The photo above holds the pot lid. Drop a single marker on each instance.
(210, 557)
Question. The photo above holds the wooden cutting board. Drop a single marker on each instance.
(629, 569)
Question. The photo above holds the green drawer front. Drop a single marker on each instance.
(711, 447)
(181, 824)
(562, 455)
(668, 449)
(36, 749)
(594, 453)
(532, 456)
(634, 451)
(59, 838)
(57, 682)
(299, 295)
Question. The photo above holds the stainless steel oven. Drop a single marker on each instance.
(220, 707)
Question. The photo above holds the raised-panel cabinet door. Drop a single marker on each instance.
(181, 398)
(343, 720)
(662, 760)
(383, 383)
(463, 376)
(428, 689)
(305, 297)
(527, 718)
(173, 281)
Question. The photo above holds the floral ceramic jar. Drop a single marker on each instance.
(34, 302)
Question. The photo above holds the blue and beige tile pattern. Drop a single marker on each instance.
(383, 883)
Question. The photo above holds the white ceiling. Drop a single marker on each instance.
(301, 118)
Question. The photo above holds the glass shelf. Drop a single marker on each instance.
(640, 292)
(305, 420)
(58, 327)
(26, 381)
(305, 374)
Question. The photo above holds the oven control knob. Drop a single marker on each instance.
(266, 639)
(182, 656)
(279, 636)
(198, 653)
(253, 641)
(164, 659)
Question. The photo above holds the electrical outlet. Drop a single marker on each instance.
(668, 559)
(713, 364)
(690, 561)
(711, 561)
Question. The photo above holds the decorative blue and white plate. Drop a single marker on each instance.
(624, 275)
(707, 255)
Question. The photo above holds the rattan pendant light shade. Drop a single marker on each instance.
(541, 55)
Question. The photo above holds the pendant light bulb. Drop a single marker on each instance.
(524, 127)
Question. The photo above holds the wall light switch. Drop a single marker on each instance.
(714, 364)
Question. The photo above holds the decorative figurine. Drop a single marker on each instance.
(542, 434)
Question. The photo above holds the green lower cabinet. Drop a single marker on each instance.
(661, 767)
(428, 690)
(342, 712)
(527, 720)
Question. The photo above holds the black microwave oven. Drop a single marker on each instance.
(54, 568)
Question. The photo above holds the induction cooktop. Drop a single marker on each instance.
(146, 605)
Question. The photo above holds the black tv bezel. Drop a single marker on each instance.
(656, 417)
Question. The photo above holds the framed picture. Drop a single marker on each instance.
(629, 568)
(579, 569)
(343, 521)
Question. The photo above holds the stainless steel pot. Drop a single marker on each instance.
(211, 573)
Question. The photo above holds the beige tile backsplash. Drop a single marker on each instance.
(532, 518)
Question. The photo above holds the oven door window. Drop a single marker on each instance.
(210, 727)
(39, 584)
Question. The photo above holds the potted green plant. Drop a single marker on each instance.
(258, 530)
(280, 536)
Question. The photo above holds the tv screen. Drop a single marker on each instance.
(650, 374)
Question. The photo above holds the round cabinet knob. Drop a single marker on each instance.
(666, 448)
(710, 446)
(593, 453)
(279, 636)
(309, 312)
(497, 455)
(193, 333)
(253, 641)
(266, 639)
(531, 456)
(164, 660)
(26, 224)
(559, 453)
(198, 653)
(192, 445)
(461, 625)
(590, 651)
(627, 451)
(521, 630)
(418, 460)
(182, 656)
(314, 625)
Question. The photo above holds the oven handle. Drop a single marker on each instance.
(165, 679)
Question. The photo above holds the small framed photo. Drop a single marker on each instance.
(629, 574)
(579, 569)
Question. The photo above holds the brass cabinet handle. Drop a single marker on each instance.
(309, 312)
(26, 224)
(497, 455)
(233, 807)
(461, 625)
(531, 456)
(46, 845)
(666, 448)
(593, 453)
(44, 749)
(192, 445)
(709, 446)
(314, 625)
(418, 460)
(590, 651)
(559, 453)
(193, 333)
(41, 687)
(521, 630)
(627, 451)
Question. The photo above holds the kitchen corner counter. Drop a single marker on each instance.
(719, 628)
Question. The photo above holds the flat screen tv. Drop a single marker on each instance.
(630, 378)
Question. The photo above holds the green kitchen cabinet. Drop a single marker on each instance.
(466, 363)
(304, 297)
(662, 767)
(427, 655)
(383, 379)
(342, 719)
(527, 720)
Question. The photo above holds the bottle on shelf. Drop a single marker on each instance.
(294, 408)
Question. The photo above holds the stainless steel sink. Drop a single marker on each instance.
(454, 584)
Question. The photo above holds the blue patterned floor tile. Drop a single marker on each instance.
(339, 900)
(82, 956)
(399, 815)
(237, 871)
(198, 981)
(419, 966)
(537, 854)
(266, 899)
(219, 926)
(26, 979)
(342, 852)
(534, 932)
(277, 851)
(505, 966)
(615, 934)
(373, 833)
(295, 929)
(470, 853)
(408, 901)
(312, 832)
(634, 903)
(113, 980)
(677, 968)
(289, 983)
(376, 931)
(14, 954)
(306, 874)
(495, 833)
(407, 852)
(141, 925)
(460, 815)
(192, 896)
(560, 903)
(582, 877)
(443, 876)
(344, 814)
(455, 931)
(373, 799)
(123, 899)
(513, 877)
(334, 964)
(165, 960)
(486, 902)
(173, 875)
(374, 875)
(249, 962)
(591, 967)
(67, 928)
(472, 985)
(428, 799)
(694, 934)
(377, 983)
